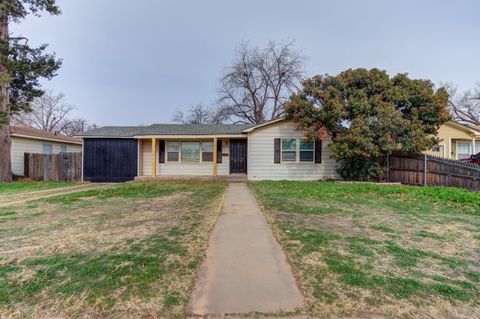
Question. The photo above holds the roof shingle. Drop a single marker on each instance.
(168, 129)
(33, 132)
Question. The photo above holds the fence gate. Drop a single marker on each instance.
(66, 167)
(426, 170)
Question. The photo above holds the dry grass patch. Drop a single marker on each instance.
(127, 251)
(373, 251)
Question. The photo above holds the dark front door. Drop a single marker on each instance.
(238, 156)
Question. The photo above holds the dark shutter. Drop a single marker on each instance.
(219, 151)
(161, 151)
(276, 154)
(318, 151)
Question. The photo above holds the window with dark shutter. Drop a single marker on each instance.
(161, 150)
(276, 151)
(318, 151)
(219, 151)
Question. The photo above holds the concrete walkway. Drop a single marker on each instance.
(245, 268)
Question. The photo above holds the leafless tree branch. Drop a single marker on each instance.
(465, 107)
(259, 81)
(51, 112)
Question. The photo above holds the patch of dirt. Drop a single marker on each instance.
(92, 229)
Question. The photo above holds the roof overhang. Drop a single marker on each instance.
(45, 139)
(464, 128)
(196, 137)
(248, 130)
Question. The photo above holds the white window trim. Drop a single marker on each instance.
(201, 151)
(469, 148)
(297, 151)
(313, 152)
(180, 152)
(281, 150)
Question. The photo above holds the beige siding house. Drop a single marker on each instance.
(30, 140)
(296, 158)
(457, 141)
(274, 150)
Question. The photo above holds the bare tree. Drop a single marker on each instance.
(465, 107)
(49, 112)
(77, 127)
(259, 81)
(201, 114)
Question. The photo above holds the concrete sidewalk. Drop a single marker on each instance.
(245, 268)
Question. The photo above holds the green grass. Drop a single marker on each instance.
(18, 187)
(363, 246)
(151, 262)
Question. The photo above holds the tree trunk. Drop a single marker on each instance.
(5, 141)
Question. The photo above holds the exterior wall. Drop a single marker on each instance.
(110, 159)
(21, 145)
(449, 135)
(261, 153)
(165, 169)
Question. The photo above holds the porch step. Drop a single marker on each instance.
(234, 178)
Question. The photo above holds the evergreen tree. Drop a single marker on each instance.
(21, 67)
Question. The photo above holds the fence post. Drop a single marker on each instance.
(425, 169)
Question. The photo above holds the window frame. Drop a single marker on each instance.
(457, 148)
(180, 143)
(45, 145)
(199, 152)
(204, 152)
(290, 151)
(312, 150)
(179, 150)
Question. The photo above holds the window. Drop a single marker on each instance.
(47, 148)
(477, 146)
(173, 149)
(190, 152)
(464, 150)
(63, 148)
(306, 151)
(436, 149)
(207, 151)
(289, 150)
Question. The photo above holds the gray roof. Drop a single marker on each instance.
(168, 129)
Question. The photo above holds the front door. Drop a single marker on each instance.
(238, 156)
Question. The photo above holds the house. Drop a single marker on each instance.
(457, 141)
(274, 150)
(30, 140)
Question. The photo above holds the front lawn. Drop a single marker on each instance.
(20, 187)
(130, 250)
(367, 250)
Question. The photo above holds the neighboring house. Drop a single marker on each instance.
(30, 140)
(457, 141)
(273, 150)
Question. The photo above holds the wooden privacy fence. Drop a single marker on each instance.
(66, 167)
(426, 170)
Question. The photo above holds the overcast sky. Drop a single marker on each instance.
(136, 62)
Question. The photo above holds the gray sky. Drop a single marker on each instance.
(136, 62)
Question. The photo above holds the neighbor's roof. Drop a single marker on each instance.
(168, 129)
(466, 127)
(23, 131)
